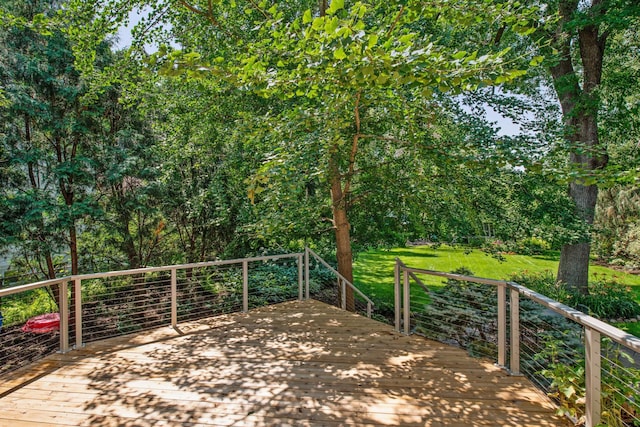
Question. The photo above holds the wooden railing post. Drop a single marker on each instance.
(306, 272)
(343, 293)
(63, 289)
(406, 305)
(592, 377)
(396, 293)
(174, 298)
(300, 279)
(514, 365)
(502, 326)
(245, 286)
(77, 291)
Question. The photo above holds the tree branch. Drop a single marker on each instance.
(257, 7)
(499, 34)
(208, 15)
(395, 21)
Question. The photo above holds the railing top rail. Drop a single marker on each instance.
(36, 285)
(334, 271)
(454, 276)
(618, 335)
(185, 266)
(31, 286)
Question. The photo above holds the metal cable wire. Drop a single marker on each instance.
(17, 347)
(131, 301)
(552, 350)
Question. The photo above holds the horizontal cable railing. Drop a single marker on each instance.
(96, 306)
(590, 368)
(118, 305)
(19, 347)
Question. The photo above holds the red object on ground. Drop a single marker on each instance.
(43, 324)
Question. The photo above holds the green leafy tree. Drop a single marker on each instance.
(204, 166)
(342, 66)
(47, 129)
(577, 70)
(349, 60)
(617, 222)
(576, 40)
(130, 230)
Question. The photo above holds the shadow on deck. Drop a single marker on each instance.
(296, 363)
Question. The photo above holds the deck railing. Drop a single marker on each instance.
(588, 366)
(103, 305)
(362, 303)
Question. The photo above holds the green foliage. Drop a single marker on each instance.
(361, 46)
(46, 136)
(533, 246)
(620, 382)
(617, 227)
(200, 189)
(607, 298)
(273, 283)
(544, 283)
(567, 386)
(462, 313)
(620, 385)
(16, 309)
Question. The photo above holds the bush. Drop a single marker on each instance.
(463, 314)
(273, 283)
(532, 246)
(607, 298)
(544, 283)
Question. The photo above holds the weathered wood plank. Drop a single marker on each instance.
(290, 364)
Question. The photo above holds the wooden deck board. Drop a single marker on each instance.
(298, 363)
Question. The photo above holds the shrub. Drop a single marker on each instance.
(544, 283)
(273, 283)
(607, 298)
(532, 246)
(463, 314)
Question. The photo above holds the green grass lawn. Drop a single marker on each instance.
(374, 270)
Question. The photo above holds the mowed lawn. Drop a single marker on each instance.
(374, 270)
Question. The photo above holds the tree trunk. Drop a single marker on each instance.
(73, 249)
(342, 229)
(580, 113)
(574, 258)
(574, 265)
(54, 290)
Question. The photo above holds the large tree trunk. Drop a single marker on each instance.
(342, 229)
(574, 258)
(580, 112)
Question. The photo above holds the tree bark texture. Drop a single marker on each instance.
(580, 113)
(342, 229)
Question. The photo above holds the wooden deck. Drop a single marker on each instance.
(292, 364)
